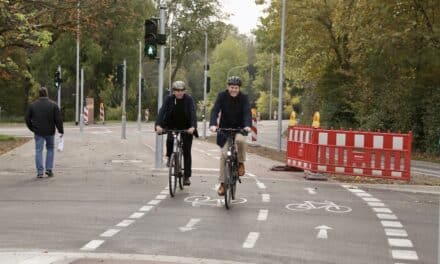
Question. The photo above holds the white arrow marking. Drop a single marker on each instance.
(195, 203)
(190, 225)
(310, 190)
(322, 234)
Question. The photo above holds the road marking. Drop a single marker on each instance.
(262, 215)
(391, 224)
(396, 232)
(190, 226)
(206, 169)
(92, 245)
(126, 161)
(363, 194)
(382, 210)
(154, 202)
(370, 199)
(322, 234)
(110, 232)
(146, 208)
(150, 147)
(125, 223)
(356, 190)
(387, 216)
(261, 185)
(251, 240)
(399, 242)
(265, 197)
(310, 190)
(404, 254)
(137, 215)
(375, 204)
(164, 192)
(161, 197)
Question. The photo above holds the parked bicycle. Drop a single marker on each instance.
(176, 169)
(231, 164)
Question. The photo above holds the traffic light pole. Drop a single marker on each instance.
(205, 85)
(81, 110)
(159, 138)
(139, 84)
(59, 88)
(124, 115)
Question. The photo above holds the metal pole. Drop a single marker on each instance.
(124, 118)
(205, 85)
(271, 84)
(77, 68)
(159, 138)
(233, 68)
(280, 84)
(81, 118)
(59, 89)
(139, 86)
(171, 48)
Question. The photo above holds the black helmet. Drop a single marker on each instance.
(234, 80)
(178, 85)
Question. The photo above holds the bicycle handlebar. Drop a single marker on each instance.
(234, 130)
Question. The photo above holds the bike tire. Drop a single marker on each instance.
(172, 179)
(180, 170)
(228, 185)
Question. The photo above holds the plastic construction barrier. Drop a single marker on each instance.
(358, 153)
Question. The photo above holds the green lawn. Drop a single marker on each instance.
(6, 138)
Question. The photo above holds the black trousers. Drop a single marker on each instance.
(187, 143)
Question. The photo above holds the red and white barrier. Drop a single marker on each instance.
(101, 113)
(86, 115)
(254, 129)
(359, 153)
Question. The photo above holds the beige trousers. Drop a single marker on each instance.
(240, 140)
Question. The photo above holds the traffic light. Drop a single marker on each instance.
(208, 84)
(150, 47)
(57, 79)
(120, 74)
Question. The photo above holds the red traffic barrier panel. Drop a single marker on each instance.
(358, 153)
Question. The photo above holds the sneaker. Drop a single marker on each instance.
(241, 170)
(221, 190)
(49, 173)
(186, 181)
(39, 176)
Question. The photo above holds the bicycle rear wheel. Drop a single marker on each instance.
(228, 186)
(172, 179)
(180, 170)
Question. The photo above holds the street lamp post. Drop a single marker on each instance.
(280, 84)
(77, 69)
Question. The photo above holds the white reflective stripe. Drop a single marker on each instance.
(301, 136)
(358, 171)
(376, 172)
(359, 141)
(398, 143)
(340, 169)
(340, 139)
(378, 142)
(396, 174)
(322, 168)
(308, 139)
(290, 134)
(323, 138)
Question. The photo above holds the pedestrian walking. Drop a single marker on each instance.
(42, 116)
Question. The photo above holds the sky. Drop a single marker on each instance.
(244, 14)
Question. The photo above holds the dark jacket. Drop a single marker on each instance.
(166, 111)
(42, 116)
(234, 113)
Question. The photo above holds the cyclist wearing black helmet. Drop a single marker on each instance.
(179, 112)
(231, 110)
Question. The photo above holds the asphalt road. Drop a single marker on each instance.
(108, 204)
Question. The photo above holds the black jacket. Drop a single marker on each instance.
(234, 113)
(165, 113)
(42, 116)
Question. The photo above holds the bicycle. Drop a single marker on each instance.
(231, 164)
(176, 169)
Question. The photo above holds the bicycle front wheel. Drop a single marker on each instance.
(172, 175)
(228, 185)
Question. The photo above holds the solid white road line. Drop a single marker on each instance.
(110, 232)
(92, 245)
(382, 210)
(387, 216)
(262, 215)
(265, 197)
(136, 215)
(251, 240)
(404, 254)
(392, 224)
(400, 242)
(125, 223)
(396, 232)
(146, 208)
(154, 202)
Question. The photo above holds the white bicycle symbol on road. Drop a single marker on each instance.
(327, 205)
(198, 200)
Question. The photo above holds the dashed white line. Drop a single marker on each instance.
(161, 197)
(265, 197)
(387, 216)
(262, 215)
(399, 242)
(110, 232)
(391, 224)
(372, 204)
(164, 192)
(92, 245)
(261, 185)
(356, 190)
(382, 210)
(125, 223)
(251, 240)
(146, 208)
(363, 194)
(137, 215)
(154, 202)
(370, 199)
(396, 232)
(404, 254)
